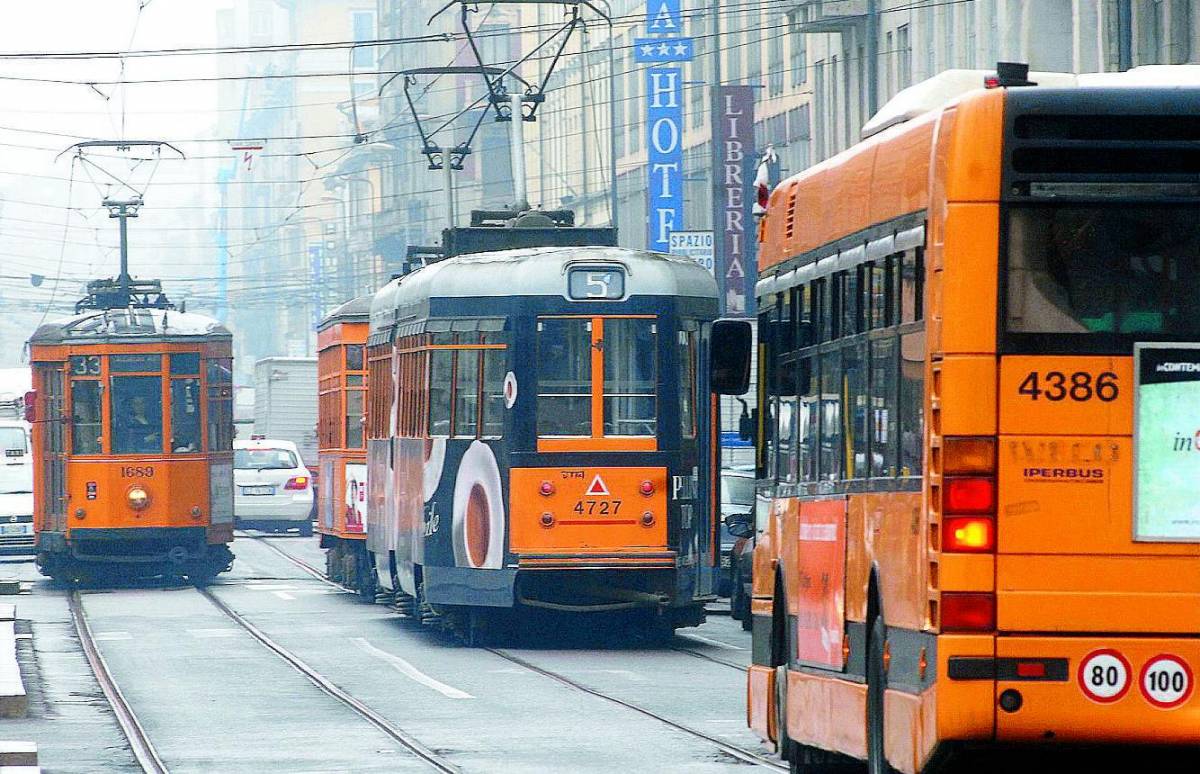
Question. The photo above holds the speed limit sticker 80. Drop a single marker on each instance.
(1104, 675)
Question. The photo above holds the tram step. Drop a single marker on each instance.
(13, 701)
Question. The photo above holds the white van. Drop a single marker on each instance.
(16, 488)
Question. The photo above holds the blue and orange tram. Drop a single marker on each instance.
(132, 437)
(541, 436)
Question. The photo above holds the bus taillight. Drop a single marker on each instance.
(968, 612)
(969, 534)
(976, 495)
(967, 455)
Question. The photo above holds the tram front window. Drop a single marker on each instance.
(137, 414)
(564, 404)
(86, 431)
(185, 416)
(630, 377)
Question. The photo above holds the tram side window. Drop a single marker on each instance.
(884, 414)
(831, 420)
(912, 287)
(86, 429)
(185, 415)
(354, 357)
(441, 384)
(136, 414)
(854, 409)
(785, 417)
(495, 366)
(564, 377)
(354, 419)
(808, 388)
(220, 405)
(466, 393)
(630, 377)
(687, 383)
(912, 403)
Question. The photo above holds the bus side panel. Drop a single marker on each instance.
(911, 729)
(828, 713)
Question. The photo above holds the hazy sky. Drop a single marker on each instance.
(39, 120)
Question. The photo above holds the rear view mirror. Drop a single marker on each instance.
(739, 525)
(732, 342)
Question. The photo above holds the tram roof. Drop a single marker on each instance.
(534, 272)
(356, 310)
(97, 326)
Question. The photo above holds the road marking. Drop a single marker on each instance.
(212, 633)
(706, 640)
(108, 636)
(270, 586)
(411, 672)
(283, 595)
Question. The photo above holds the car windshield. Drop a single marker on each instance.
(15, 479)
(738, 490)
(264, 459)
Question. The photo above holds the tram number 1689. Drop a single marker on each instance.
(132, 471)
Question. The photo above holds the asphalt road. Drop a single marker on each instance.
(213, 698)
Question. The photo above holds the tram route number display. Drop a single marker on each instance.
(1166, 443)
(1104, 676)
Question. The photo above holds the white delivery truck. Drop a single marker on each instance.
(285, 403)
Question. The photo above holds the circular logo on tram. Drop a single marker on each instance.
(1166, 681)
(510, 389)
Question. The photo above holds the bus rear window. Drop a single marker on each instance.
(1118, 270)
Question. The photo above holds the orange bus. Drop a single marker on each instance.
(342, 497)
(980, 520)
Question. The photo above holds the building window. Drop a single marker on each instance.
(364, 29)
(775, 64)
(799, 47)
(904, 71)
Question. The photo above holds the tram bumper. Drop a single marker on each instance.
(1094, 690)
(138, 545)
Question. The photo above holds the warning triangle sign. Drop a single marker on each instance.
(597, 487)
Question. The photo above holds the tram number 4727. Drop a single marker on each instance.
(597, 507)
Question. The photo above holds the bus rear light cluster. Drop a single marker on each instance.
(546, 489)
(969, 534)
(297, 483)
(646, 488)
(647, 519)
(969, 495)
(968, 612)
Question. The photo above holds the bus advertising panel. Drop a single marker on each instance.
(1166, 441)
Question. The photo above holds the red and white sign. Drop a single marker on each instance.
(597, 487)
(1166, 681)
(1104, 675)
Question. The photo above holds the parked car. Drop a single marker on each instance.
(272, 487)
(16, 488)
(737, 496)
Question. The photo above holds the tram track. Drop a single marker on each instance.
(742, 754)
(406, 740)
(140, 744)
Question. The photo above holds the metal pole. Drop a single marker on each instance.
(872, 63)
(124, 249)
(612, 115)
(520, 190)
(448, 187)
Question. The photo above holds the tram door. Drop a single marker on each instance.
(52, 419)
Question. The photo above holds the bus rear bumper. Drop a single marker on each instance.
(1094, 690)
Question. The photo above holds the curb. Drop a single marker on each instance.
(13, 701)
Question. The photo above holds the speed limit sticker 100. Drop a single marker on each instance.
(1166, 681)
(1104, 675)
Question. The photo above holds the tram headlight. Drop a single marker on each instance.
(139, 499)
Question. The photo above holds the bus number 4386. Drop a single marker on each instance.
(1080, 386)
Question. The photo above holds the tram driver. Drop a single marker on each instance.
(138, 430)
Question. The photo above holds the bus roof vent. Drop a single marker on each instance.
(790, 219)
(935, 92)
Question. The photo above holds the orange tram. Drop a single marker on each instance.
(979, 375)
(341, 435)
(132, 435)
